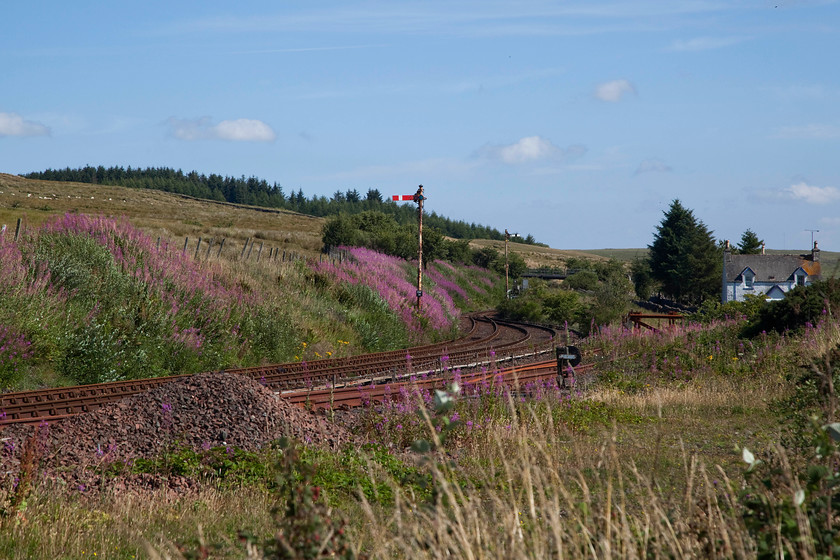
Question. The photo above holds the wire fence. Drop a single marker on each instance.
(216, 248)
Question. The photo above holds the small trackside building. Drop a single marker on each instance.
(770, 276)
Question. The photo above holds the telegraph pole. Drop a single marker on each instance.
(507, 282)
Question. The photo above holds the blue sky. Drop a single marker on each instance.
(576, 121)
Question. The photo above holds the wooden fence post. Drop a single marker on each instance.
(18, 228)
(222, 244)
(259, 251)
(186, 240)
(197, 247)
(209, 246)
(242, 254)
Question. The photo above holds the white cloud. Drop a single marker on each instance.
(704, 43)
(237, 130)
(530, 149)
(12, 124)
(653, 166)
(811, 194)
(808, 132)
(613, 91)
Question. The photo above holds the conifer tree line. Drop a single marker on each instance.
(258, 192)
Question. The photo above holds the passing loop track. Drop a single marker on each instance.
(487, 342)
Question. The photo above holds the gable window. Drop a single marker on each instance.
(749, 279)
(800, 279)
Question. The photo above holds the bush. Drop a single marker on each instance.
(802, 306)
(583, 280)
(521, 309)
(790, 504)
(562, 307)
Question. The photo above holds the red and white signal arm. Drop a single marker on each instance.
(403, 197)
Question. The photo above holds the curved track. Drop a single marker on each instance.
(487, 342)
(522, 377)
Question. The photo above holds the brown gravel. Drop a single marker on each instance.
(202, 411)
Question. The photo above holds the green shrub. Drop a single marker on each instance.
(801, 306)
(521, 309)
(791, 500)
(562, 306)
(582, 280)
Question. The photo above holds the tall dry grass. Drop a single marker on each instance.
(550, 495)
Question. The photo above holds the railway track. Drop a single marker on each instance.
(522, 377)
(487, 342)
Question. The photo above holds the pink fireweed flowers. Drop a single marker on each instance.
(388, 277)
(175, 276)
(14, 350)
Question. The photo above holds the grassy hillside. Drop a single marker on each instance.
(536, 256)
(158, 213)
(86, 297)
(176, 216)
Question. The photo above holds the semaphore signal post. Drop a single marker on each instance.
(417, 197)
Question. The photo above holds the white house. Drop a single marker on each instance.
(771, 276)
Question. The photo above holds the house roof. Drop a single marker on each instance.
(775, 293)
(769, 268)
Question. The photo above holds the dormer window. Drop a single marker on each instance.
(749, 279)
(800, 278)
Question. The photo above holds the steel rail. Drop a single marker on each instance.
(127, 386)
(517, 376)
(55, 404)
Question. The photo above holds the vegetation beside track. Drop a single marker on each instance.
(91, 299)
(688, 443)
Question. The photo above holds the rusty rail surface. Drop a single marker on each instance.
(483, 344)
(518, 377)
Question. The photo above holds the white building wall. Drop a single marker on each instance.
(739, 291)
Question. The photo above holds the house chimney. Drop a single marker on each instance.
(815, 253)
(762, 247)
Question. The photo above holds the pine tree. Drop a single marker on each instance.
(684, 257)
(750, 243)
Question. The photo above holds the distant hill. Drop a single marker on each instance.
(177, 216)
(167, 215)
(830, 259)
(258, 192)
